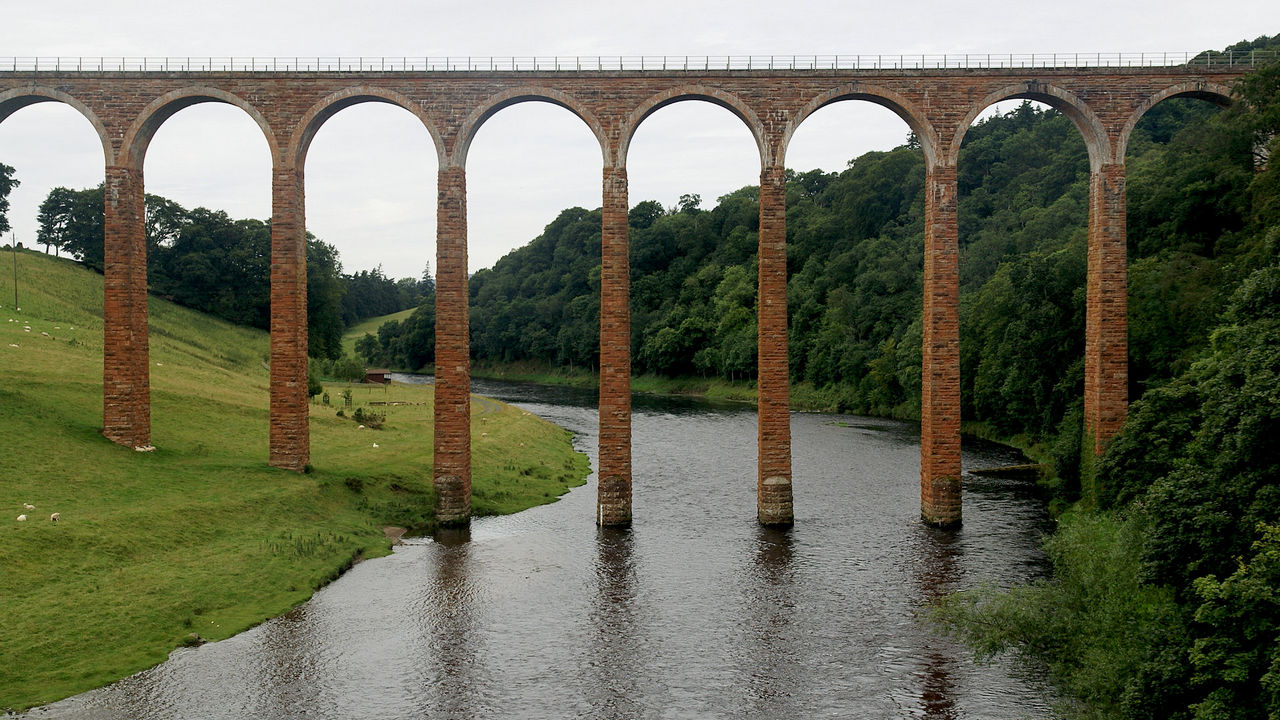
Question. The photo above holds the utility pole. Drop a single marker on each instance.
(13, 243)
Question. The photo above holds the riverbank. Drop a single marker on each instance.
(197, 539)
(804, 397)
(713, 389)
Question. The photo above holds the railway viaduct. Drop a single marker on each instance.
(290, 101)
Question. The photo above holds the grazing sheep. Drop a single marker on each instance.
(22, 518)
(54, 517)
(28, 506)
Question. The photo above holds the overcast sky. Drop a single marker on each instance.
(370, 174)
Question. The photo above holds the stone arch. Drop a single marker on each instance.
(884, 97)
(1211, 92)
(331, 105)
(1085, 119)
(726, 100)
(133, 149)
(528, 93)
(13, 100)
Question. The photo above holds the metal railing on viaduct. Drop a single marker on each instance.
(600, 63)
(939, 97)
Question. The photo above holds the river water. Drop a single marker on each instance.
(695, 612)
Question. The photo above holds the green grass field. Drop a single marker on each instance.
(370, 326)
(200, 537)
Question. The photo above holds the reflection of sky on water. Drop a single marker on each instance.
(696, 611)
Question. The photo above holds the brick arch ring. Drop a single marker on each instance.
(1085, 119)
(527, 93)
(893, 101)
(13, 100)
(317, 115)
(726, 100)
(133, 149)
(1210, 92)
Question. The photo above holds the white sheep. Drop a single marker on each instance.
(22, 518)
(28, 506)
(54, 517)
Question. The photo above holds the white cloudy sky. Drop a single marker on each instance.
(371, 170)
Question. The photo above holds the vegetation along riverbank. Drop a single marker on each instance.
(1165, 600)
(1165, 596)
(197, 539)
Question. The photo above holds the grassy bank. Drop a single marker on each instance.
(710, 388)
(370, 326)
(199, 539)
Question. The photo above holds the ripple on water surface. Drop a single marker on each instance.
(696, 611)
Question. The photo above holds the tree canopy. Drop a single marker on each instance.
(7, 183)
(204, 259)
(1165, 600)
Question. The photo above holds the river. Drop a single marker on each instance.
(694, 612)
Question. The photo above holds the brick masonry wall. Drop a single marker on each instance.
(940, 361)
(1106, 318)
(126, 377)
(452, 475)
(773, 476)
(290, 437)
(127, 108)
(613, 503)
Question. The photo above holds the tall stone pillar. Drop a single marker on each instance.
(1106, 353)
(773, 434)
(290, 438)
(940, 361)
(613, 502)
(453, 353)
(126, 378)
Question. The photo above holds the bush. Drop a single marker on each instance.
(344, 369)
(1065, 455)
(314, 387)
(370, 418)
(1096, 628)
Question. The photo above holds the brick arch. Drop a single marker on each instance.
(13, 100)
(884, 97)
(133, 149)
(334, 103)
(528, 93)
(1086, 121)
(726, 100)
(1210, 92)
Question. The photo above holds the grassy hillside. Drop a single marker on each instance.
(199, 538)
(370, 326)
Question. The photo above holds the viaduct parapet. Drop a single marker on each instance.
(939, 105)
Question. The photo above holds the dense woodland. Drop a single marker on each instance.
(855, 253)
(1165, 596)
